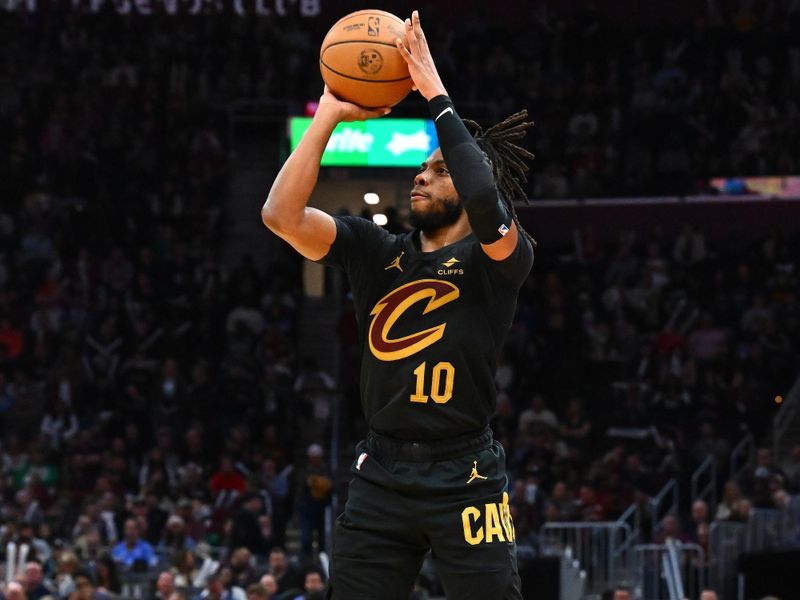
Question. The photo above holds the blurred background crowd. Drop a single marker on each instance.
(157, 417)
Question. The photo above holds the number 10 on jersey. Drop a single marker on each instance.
(440, 391)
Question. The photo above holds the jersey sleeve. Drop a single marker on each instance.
(514, 269)
(356, 241)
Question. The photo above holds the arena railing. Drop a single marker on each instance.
(742, 456)
(669, 571)
(596, 547)
(573, 577)
(665, 502)
(623, 553)
(784, 418)
(726, 541)
(708, 492)
(766, 529)
(774, 528)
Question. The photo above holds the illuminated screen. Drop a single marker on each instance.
(768, 186)
(373, 143)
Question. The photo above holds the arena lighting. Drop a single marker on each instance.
(379, 219)
(371, 198)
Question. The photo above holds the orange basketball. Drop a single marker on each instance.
(360, 61)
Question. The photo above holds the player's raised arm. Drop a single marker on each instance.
(490, 217)
(310, 231)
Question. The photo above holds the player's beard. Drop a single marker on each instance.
(446, 211)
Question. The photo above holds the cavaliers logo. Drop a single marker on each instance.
(370, 61)
(390, 308)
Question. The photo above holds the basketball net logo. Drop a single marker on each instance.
(374, 26)
(390, 308)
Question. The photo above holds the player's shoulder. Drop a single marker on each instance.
(361, 227)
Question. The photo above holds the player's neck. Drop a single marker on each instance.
(432, 239)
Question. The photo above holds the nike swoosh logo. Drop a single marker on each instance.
(449, 109)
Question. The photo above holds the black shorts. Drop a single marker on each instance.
(407, 498)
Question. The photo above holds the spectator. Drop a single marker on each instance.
(527, 508)
(699, 517)
(791, 468)
(248, 532)
(15, 591)
(561, 499)
(576, 428)
(192, 516)
(215, 589)
(670, 529)
(690, 246)
(133, 552)
(184, 569)
(313, 586)
(537, 413)
(281, 570)
(315, 495)
(708, 341)
(33, 582)
(315, 388)
(760, 476)
(742, 511)
(105, 576)
(175, 536)
(228, 582)
(66, 568)
(257, 591)
(165, 586)
(731, 494)
(85, 590)
(587, 507)
(270, 586)
(228, 480)
(242, 569)
(60, 424)
(277, 487)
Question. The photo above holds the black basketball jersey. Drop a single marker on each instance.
(431, 325)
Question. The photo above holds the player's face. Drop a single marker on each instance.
(434, 200)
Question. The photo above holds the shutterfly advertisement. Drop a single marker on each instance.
(374, 143)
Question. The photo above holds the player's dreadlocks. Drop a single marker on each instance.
(507, 158)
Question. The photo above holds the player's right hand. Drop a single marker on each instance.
(347, 111)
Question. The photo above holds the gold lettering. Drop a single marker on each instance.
(471, 539)
(508, 524)
(493, 528)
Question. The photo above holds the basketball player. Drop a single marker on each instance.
(434, 307)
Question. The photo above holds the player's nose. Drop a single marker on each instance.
(420, 179)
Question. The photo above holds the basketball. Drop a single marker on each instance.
(360, 61)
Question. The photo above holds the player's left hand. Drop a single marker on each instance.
(420, 62)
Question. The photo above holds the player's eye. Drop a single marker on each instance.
(442, 171)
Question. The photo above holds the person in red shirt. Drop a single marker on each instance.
(11, 339)
(227, 478)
